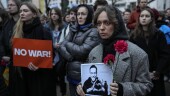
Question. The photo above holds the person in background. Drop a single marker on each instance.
(55, 27)
(66, 19)
(131, 76)
(126, 17)
(99, 3)
(162, 25)
(66, 29)
(135, 14)
(7, 31)
(72, 13)
(75, 48)
(167, 13)
(13, 9)
(3, 19)
(153, 42)
(44, 19)
(161, 20)
(31, 80)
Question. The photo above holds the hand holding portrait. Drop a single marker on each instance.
(114, 89)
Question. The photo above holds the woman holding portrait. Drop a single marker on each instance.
(130, 67)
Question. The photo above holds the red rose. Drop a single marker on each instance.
(109, 58)
(121, 46)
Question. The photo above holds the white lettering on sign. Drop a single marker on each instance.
(19, 52)
(32, 53)
(38, 53)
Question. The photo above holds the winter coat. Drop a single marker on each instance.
(132, 69)
(24, 81)
(7, 32)
(76, 48)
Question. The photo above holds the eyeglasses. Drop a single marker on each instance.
(105, 23)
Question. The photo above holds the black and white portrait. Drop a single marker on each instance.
(96, 78)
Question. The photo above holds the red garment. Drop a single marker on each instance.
(135, 14)
(133, 19)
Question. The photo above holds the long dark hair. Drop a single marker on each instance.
(59, 21)
(138, 32)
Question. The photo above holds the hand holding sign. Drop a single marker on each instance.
(6, 58)
(32, 67)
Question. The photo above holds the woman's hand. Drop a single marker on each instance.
(80, 90)
(6, 58)
(32, 67)
(154, 75)
(151, 75)
(57, 45)
(114, 89)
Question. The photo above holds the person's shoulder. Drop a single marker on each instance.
(93, 30)
(133, 49)
(96, 48)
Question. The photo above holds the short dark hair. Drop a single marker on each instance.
(99, 2)
(127, 10)
(93, 66)
(73, 9)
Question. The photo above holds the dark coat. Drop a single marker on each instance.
(76, 48)
(24, 82)
(156, 49)
(158, 54)
(7, 32)
(5, 50)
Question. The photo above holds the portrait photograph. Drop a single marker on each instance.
(96, 79)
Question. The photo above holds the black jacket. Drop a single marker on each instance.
(157, 50)
(7, 32)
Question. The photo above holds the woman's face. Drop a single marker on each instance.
(82, 15)
(54, 16)
(143, 3)
(26, 14)
(145, 18)
(104, 26)
(67, 18)
(12, 7)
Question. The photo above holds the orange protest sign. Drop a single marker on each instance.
(39, 52)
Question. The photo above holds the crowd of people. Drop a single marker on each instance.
(87, 34)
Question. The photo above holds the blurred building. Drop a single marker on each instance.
(54, 3)
(127, 4)
(64, 4)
